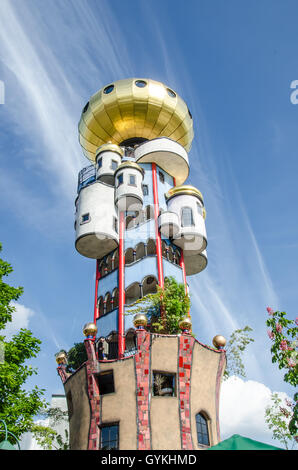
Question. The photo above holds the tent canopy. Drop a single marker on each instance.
(237, 442)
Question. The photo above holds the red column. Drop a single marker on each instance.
(121, 339)
(157, 234)
(97, 277)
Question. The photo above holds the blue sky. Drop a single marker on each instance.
(233, 63)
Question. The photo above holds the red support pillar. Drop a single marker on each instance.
(121, 338)
(157, 234)
(97, 277)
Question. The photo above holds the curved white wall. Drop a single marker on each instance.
(105, 166)
(129, 196)
(97, 235)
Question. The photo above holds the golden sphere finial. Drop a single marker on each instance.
(219, 341)
(185, 324)
(140, 320)
(61, 357)
(90, 329)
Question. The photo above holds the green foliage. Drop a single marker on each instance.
(17, 406)
(76, 356)
(47, 437)
(236, 345)
(283, 333)
(165, 308)
(278, 417)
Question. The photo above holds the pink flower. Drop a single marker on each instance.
(283, 345)
(270, 334)
(270, 311)
(291, 362)
(278, 327)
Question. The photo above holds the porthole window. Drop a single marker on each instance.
(171, 93)
(140, 83)
(108, 89)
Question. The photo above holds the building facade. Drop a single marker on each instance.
(142, 224)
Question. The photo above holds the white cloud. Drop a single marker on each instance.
(20, 319)
(242, 409)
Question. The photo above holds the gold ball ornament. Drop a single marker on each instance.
(219, 341)
(61, 357)
(90, 329)
(185, 324)
(140, 319)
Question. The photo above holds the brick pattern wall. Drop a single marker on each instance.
(62, 372)
(221, 365)
(143, 373)
(186, 343)
(92, 367)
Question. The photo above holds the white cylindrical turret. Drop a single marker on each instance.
(187, 203)
(96, 221)
(128, 186)
(194, 264)
(169, 224)
(108, 158)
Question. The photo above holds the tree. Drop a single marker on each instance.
(278, 419)
(46, 436)
(236, 345)
(17, 406)
(76, 356)
(283, 333)
(164, 308)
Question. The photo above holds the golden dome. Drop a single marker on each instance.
(140, 319)
(219, 341)
(129, 164)
(184, 189)
(61, 357)
(109, 147)
(134, 108)
(185, 323)
(90, 329)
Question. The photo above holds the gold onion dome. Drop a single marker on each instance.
(140, 319)
(185, 323)
(61, 357)
(219, 341)
(90, 329)
(184, 189)
(133, 108)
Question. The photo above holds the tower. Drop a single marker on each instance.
(142, 224)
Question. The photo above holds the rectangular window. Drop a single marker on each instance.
(105, 382)
(109, 436)
(164, 384)
(119, 179)
(187, 217)
(99, 163)
(85, 218)
(200, 209)
(145, 189)
(114, 165)
(161, 177)
(116, 225)
(132, 180)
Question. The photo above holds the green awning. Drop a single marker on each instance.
(237, 442)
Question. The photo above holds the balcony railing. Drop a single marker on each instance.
(86, 176)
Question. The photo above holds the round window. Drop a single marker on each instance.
(140, 83)
(108, 89)
(86, 107)
(171, 93)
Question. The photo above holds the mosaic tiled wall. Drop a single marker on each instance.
(186, 343)
(92, 367)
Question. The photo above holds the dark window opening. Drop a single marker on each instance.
(164, 384)
(108, 89)
(86, 107)
(120, 179)
(140, 83)
(161, 177)
(105, 382)
(109, 436)
(99, 163)
(202, 430)
(116, 225)
(187, 217)
(85, 218)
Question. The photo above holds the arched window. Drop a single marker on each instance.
(109, 263)
(116, 259)
(100, 306)
(151, 247)
(129, 256)
(187, 217)
(149, 285)
(140, 251)
(132, 293)
(108, 305)
(115, 298)
(202, 430)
